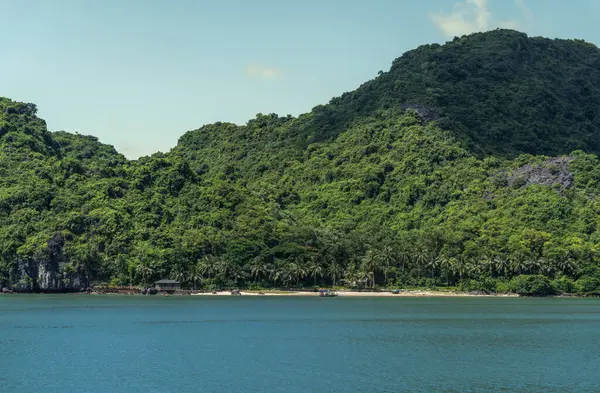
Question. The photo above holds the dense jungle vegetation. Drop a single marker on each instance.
(470, 164)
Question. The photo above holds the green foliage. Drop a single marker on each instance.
(485, 284)
(564, 285)
(500, 92)
(532, 285)
(431, 175)
(586, 285)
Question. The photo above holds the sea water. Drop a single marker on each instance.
(87, 343)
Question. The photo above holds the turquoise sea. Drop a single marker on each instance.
(72, 343)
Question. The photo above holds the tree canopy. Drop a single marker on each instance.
(468, 164)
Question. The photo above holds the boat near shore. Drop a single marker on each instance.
(327, 293)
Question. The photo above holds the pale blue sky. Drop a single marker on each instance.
(139, 73)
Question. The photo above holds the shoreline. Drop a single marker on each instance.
(271, 293)
(343, 293)
(406, 293)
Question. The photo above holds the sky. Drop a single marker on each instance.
(138, 74)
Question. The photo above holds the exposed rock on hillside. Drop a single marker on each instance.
(553, 171)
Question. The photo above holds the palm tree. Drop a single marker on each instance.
(225, 267)
(145, 270)
(196, 274)
(473, 268)
(460, 267)
(420, 260)
(335, 270)
(178, 273)
(351, 275)
(431, 262)
(283, 273)
(208, 266)
(502, 264)
(564, 264)
(518, 262)
(388, 258)
(258, 268)
(445, 264)
(315, 269)
(537, 264)
(370, 264)
(487, 263)
(404, 257)
(235, 273)
(297, 270)
(547, 268)
(363, 276)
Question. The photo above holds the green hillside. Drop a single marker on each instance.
(470, 164)
(499, 92)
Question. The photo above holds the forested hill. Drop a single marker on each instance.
(471, 164)
(501, 92)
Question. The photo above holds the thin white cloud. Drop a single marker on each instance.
(262, 72)
(525, 11)
(471, 16)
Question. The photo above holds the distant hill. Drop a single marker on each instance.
(501, 92)
(469, 164)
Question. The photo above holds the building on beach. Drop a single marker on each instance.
(167, 285)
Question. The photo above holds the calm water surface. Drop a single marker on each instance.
(268, 344)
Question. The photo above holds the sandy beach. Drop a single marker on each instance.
(279, 292)
(356, 294)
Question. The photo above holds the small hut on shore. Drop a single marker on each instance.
(167, 285)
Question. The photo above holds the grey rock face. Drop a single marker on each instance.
(552, 172)
(46, 272)
(44, 277)
(425, 113)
